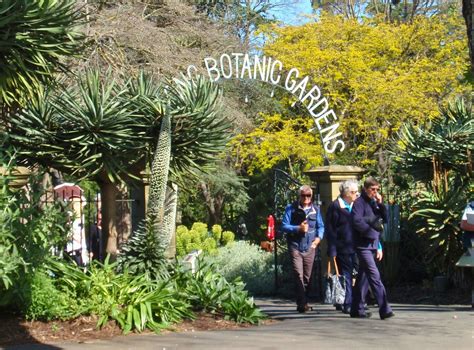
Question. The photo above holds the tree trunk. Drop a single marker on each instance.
(467, 14)
(109, 193)
(214, 205)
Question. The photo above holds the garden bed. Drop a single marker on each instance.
(16, 331)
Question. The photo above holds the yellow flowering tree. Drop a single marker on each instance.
(276, 140)
(376, 75)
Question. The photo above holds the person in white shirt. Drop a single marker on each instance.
(467, 224)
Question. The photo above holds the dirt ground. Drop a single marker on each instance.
(16, 331)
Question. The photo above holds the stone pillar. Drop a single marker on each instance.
(19, 176)
(326, 181)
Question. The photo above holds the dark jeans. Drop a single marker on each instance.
(302, 269)
(345, 263)
(368, 275)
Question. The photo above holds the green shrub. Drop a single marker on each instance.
(208, 290)
(134, 302)
(139, 302)
(227, 237)
(216, 232)
(28, 230)
(248, 262)
(199, 238)
(199, 230)
(42, 300)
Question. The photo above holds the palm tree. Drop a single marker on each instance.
(104, 131)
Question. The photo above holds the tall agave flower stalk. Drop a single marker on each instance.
(156, 212)
(169, 221)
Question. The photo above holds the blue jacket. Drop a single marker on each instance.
(293, 217)
(338, 230)
(365, 236)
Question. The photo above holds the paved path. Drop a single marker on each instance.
(413, 327)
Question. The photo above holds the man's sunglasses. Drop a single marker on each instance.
(305, 195)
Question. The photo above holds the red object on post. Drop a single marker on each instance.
(271, 228)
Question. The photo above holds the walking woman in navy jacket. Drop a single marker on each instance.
(338, 231)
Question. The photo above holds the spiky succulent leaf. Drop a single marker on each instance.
(35, 36)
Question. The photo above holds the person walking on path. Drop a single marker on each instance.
(304, 229)
(368, 214)
(338, 231)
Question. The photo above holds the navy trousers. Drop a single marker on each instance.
(302, 269)
(345, 263)
(368, 275)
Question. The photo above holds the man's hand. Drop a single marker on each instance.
(304, 227)
(378, 198)
(379, 255)
(315, 243)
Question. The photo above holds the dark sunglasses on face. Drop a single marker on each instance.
(305, 195)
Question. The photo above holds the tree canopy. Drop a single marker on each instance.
(377, 75)
(276, 140)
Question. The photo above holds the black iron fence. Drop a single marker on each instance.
(82, 212)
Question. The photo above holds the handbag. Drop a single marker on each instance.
(335, 288)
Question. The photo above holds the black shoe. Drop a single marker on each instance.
(366, 315)
(346, 311)
(338, 307)
(387, 315)
(304, 308)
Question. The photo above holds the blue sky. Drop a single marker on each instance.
(293, 14)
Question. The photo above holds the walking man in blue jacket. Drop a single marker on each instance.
(304, 229)
(368, 216)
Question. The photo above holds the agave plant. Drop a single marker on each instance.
(144, 252)
(436, 215)
(439, 157)
(444, 145)
(36, 35)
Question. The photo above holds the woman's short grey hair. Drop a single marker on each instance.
(349, 185)
(305, 188)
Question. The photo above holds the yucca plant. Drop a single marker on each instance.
(36, 37)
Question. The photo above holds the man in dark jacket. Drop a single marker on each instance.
(304, 229)
(368, 213)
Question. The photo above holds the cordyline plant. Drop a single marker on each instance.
(439, 158)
